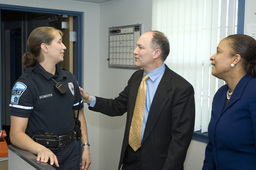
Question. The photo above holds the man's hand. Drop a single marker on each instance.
(86, 97)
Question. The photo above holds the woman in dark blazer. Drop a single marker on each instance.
(232, 129)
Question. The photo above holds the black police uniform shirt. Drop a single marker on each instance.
(34, 97)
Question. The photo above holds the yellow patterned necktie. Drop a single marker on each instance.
(138, 113)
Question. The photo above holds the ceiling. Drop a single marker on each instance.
(94, 1)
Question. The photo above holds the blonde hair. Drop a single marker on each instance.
(36, 38)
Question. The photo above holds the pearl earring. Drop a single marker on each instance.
(232, 65)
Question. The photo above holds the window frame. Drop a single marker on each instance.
(78, 71)
(162, 24)
(203, 137)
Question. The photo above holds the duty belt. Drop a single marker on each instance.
(54, 142)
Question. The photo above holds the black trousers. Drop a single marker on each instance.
(69, 156)
(132, 160)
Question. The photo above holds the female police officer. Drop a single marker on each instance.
(44, 101)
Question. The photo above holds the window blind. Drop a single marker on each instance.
(194, 29)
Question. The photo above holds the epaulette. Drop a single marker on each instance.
(27, 72)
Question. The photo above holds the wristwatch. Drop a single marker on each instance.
(84, 144)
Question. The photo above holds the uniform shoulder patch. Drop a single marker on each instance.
(17, 90)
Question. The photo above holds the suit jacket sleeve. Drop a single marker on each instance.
(114, 107)
(208, 162)
(183, 116)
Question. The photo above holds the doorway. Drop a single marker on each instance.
(16, 26)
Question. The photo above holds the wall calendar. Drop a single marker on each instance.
(122, 42)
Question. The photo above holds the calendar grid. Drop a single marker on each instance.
(122, 41)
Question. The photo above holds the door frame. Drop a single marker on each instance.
(79, 39)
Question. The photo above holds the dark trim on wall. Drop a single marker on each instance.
(79, 58)
(200, 137)
(79, 16)
(203, 137)
(240, 19)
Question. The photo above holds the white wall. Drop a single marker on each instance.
(106, 133)
(113, 80)
(195, 156)
(117, 13)
(91, 54)
(250, 18)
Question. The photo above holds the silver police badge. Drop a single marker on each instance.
(71, 88)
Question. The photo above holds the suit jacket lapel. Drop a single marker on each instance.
(158, 102)
(221, 100)
(238, 91)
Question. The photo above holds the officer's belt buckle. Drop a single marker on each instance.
(65, 139)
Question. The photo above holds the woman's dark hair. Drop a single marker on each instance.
(36, 38)
(245, 46)
(160, 41)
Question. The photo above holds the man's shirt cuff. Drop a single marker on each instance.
(93, 102)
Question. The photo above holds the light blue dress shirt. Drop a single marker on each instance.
(155, 77)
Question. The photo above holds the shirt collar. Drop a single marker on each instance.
(153, 75)
(59, 73)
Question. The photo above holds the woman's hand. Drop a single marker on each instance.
(86, 160)
(44, 155)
